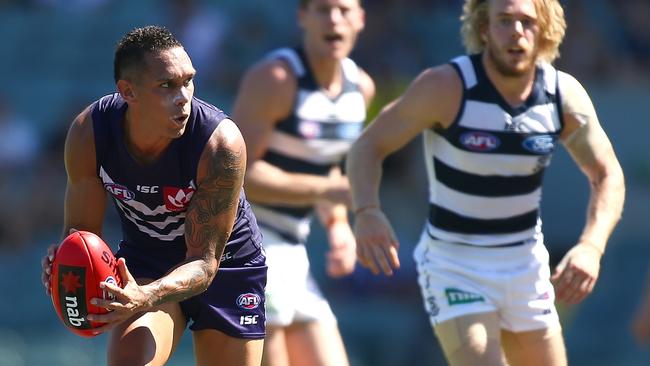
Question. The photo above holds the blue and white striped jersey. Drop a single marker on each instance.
(312, 139)
(485, 171)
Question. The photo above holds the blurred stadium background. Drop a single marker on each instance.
(57, 58)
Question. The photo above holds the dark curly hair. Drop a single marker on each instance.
(131, 49)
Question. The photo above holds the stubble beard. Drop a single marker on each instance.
(505, 69)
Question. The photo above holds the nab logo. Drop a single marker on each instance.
(542, 144)
(72, 303)
(119, 191)
(248, 301)
(479, 141)
(177, 199)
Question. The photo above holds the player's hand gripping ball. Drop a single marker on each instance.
(81, 262)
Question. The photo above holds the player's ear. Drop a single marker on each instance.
(125, 88)
(361, 20)
(483, 33)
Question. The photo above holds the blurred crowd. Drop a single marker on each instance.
(608, 41)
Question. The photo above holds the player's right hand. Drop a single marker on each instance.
(46, 265)
(342, 255)
(376, 242)
(124, 302)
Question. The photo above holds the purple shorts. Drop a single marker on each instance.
(234, 302)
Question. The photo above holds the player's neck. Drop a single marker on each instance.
(327, 71)
(143, 146)
(514, 89)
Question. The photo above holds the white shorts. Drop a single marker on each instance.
(458, 280)
(292, 295)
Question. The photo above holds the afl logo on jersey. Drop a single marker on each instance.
(119, 191)
(248, 301)
(479, 141)
(540, 144)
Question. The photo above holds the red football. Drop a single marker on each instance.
(81, 262)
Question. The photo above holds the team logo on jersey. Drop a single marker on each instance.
(249, 301)
(309, 129)
(456, 296)
(479, 141)
(177, 199)
(349, 131)
(540, 144)
(119, 191)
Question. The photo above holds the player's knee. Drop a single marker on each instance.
(138, 346)
(468, 343)
(133, 356)
(522, 340)
(537, 347)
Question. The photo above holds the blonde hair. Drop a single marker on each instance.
(550, 17)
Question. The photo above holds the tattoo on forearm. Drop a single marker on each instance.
(195, 280)
(218, 193)
(208, 225)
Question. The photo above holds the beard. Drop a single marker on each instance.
(506, 69)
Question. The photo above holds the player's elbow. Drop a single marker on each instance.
(209, 269)
(365, 150)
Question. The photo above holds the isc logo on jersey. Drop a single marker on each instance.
(248, 301)
(479, 141)
(540, 144)
(119, 191)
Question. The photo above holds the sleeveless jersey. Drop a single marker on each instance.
(313, 138)
(485, 171)
(152, 199)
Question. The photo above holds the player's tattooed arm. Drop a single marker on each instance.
(210, 216)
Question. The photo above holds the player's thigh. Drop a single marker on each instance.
(315, 343)
(472, 339)
(212, 347)
(148, 338)
(275, 347)
(544, 347)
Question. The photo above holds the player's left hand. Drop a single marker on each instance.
(342, 255)
(377, 245)
(127, 301)
(576, 274)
